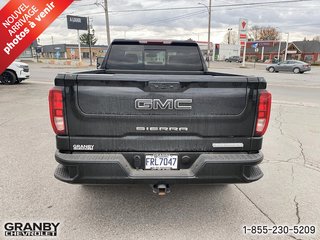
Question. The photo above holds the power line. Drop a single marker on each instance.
(215, 6)
(197, 7)
(200, 12)
(235, 6)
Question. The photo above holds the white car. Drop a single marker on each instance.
(15, 73)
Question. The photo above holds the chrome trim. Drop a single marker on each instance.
(227, 145)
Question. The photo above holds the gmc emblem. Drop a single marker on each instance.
(170, 104)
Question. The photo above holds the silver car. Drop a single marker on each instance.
(289, 66)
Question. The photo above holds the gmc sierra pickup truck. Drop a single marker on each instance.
(154, 114)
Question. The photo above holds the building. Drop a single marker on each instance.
(308, 51)
(26, 54)
(71, 51)
(224, 51)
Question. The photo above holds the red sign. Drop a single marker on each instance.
(243, 36)
(21, 22)
(243, 24)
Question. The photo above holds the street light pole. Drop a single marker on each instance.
(286, 53)
(279, 49)
(229, 32)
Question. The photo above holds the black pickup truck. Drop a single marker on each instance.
(154, 114)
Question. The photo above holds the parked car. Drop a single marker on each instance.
(234, 59)
(289, 66)
(160, 119)
(15, 73)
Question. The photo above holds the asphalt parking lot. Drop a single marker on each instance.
(288, 194)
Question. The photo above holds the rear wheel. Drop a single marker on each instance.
(8, 77)
(271, 69)
(296, 70)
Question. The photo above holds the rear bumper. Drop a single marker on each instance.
(113, 168)
(305, 69)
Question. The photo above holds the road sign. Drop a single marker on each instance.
(76, 22)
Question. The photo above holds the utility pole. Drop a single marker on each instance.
(209, 31)
(286, 53)
(79, 46)
(106, 11)
(107, 21)
(89, 40)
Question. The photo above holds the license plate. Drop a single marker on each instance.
(161, 161)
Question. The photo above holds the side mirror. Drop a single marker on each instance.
(99, 62)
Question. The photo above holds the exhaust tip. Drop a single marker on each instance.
(161, 189)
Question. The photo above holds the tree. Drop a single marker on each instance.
(84, 39)
(253, 33)
(258, 33)
(233, 37)
(316, 38)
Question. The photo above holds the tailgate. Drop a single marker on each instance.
(142, 112)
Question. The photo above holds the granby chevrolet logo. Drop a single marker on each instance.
(35, 229)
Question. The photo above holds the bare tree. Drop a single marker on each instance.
(258, 33)
(316, 38)
(253, 33)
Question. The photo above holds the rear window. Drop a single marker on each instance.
(154, 57)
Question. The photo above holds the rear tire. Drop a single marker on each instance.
(271, 69)
(296, 70)
(8, 77)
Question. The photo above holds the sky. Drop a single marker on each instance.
(300, 19)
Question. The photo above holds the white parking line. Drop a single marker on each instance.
(41, 82)
(293, 86)
(300, 104)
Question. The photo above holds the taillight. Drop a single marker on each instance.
(56, 111)
(263, 114)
